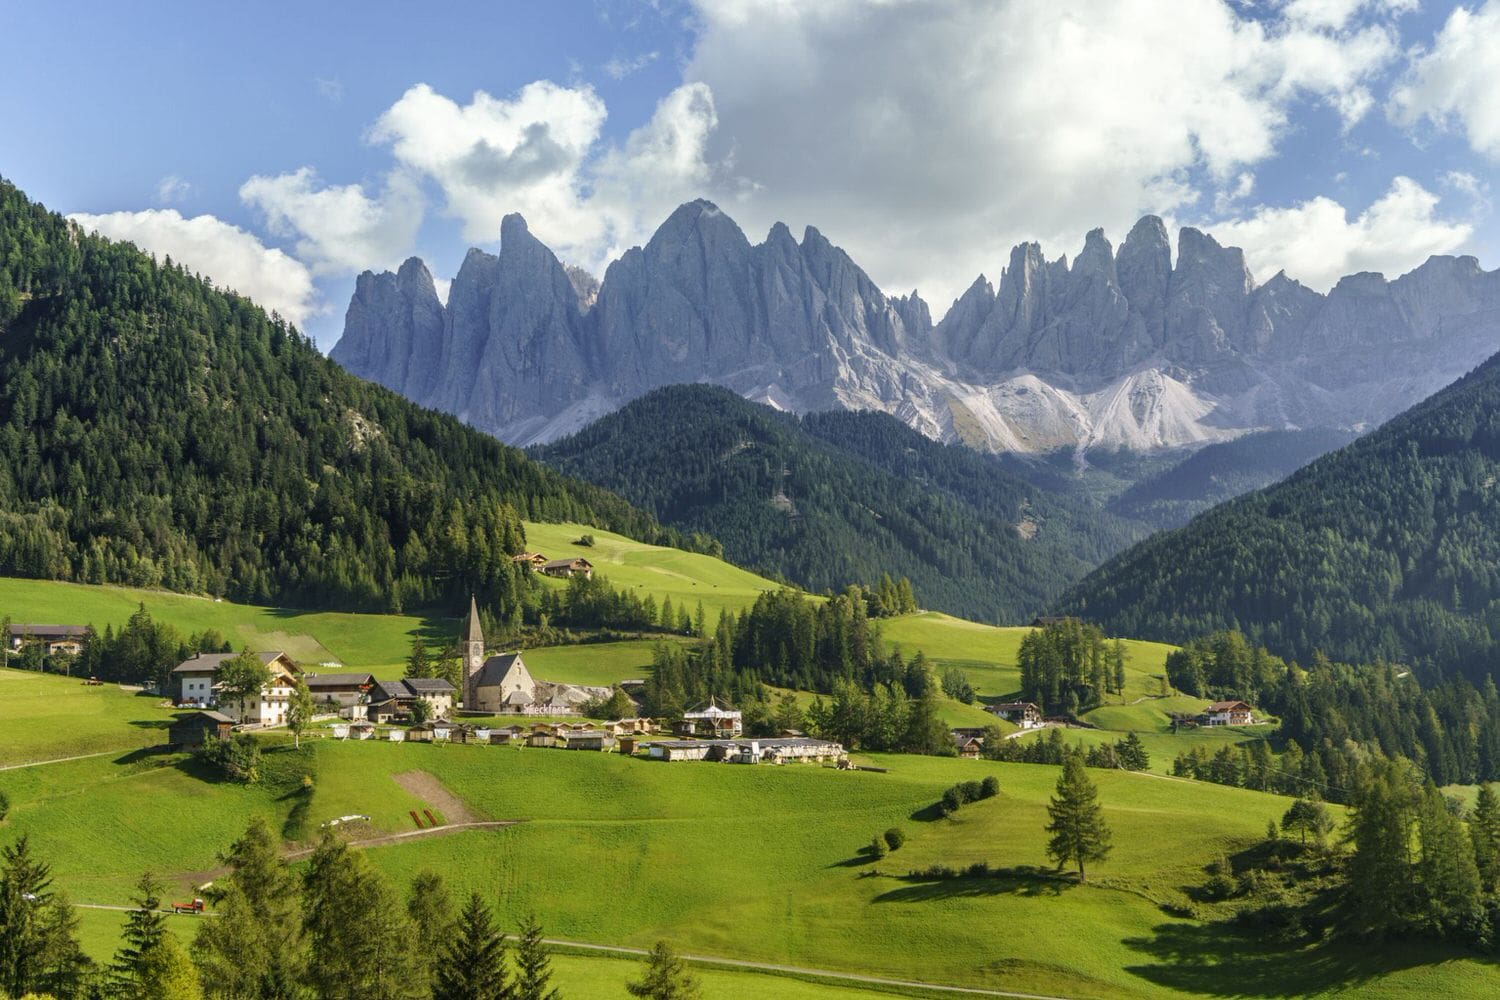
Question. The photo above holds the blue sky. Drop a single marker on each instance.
(283, 147)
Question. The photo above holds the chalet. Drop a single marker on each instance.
(1227, 713)
(345, 694)
(1022, 713)
(53, 638)
(390, 700)
(569, 567)
(712, 720)
(193, 729)
(533, 559)
(968, 746)
(195, 679)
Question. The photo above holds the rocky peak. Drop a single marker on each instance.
(585, 286)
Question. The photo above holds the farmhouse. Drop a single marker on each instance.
(53, 638)
(345, 694)
(196, 681)
(1227, 713)
(1022, 713)
(193, 729)
(394, 699)
(968, 744)
(533, 559)
(569, 567)
(501, 685)
(712, 720)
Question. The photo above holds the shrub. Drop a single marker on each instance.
(587, 541)
(979, 869)
(877, 847)
(990, 787)
(237, 758)
(5, 805)
(973, 791)
(894, 838)
(952, 800)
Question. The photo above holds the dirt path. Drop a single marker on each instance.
(798, 970)
(64, 760)
(431, 791)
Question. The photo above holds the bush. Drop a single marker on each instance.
(990, 787)
(979, 869)
(5, 805)
(894, 838)
(877, 847)
(237, 758)
(587, 541)
(973, 791)
(952, 799)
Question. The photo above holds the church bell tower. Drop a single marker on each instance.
(472, 644)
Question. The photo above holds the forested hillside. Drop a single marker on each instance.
(834, 498)
(155, 431)
(1222, 472)
(1389, 548)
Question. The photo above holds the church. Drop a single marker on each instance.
(502, 685)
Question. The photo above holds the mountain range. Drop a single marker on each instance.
(1130, 348)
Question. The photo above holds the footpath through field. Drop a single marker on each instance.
(61, 760)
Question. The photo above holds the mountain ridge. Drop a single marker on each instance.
(1123, 348)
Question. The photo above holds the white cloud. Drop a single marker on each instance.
(172, 188)
(340, 228)
(1335, 14)
(228, 255)
(619, 68)
(1317, 243)
(1457, 80)
(928, 136)
(493, 156)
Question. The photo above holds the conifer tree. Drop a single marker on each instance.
(418, 664)
(431, 911)
(1449, 879)
(1484, 831)
(39, 949)
(472, 965)
(665, 978)
(168, 973)
(145, 927)
(253, 948)
(1079, 833)
(1381, 895)
(359, 937)
(533, 967)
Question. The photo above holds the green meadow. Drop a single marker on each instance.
(760, 864)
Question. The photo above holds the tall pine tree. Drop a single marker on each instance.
(1079, 833)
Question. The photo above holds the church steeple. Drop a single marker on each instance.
(472, 644)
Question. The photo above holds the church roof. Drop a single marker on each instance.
(472, 631)
(496, 667)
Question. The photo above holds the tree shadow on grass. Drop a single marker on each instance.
(156, 754)
(1218, 959)
(929, 814)
(1022, 880)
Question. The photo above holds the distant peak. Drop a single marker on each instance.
(513, 226)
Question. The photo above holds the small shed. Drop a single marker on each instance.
(396, 735)
(193, 729)
(362, 729)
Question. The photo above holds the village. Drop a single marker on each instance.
(503, 704)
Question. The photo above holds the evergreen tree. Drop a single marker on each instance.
(1307, 817)
(1452, 897)
(253, 949)
(145, 926)
(472, 964)
(1079, 833)
(431, 911)
(299, 711)
(39, 949)
(168, 973)
(1380, 892)
(359, 937)
(666, 977)
(418, 664)
(533, 967)
(1484, 830)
